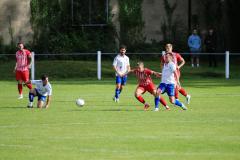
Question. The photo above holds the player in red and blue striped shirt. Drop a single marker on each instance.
(145, 83)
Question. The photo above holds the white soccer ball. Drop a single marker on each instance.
(80, 102)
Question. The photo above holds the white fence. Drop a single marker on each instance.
(99, 54)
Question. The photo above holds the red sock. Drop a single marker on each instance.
(162, 100)
(20, 88)
(29, 86)
(176, 93)
(183, 92)
(140, 99)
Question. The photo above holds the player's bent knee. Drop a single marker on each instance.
(137, 94)
(40, 104)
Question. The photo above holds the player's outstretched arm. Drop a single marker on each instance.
(48, 101)
(157, 74)
(29, 61)
(182, 63)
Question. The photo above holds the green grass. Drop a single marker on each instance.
(102, 130)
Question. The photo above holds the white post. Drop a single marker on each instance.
(99, 65)
(33, 66)
(227, 64)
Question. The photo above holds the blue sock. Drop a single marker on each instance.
(178, 103)
(31, 97)
(120, 90)
(117, 92)
(157, 100)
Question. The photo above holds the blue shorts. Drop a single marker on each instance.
(121, 80)
(169, 88)
(40, 97)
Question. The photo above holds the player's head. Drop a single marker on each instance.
(195, 31)
(210, 31)
(44, 79)
(168, 48)
(168, 57)
(20, 46)
(123, 49)
(140, 65)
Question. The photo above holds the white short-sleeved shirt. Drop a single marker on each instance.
(43, 90)
(121, 63)
(168, 73)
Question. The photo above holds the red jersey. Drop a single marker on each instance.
(22, 59)
(144, 78)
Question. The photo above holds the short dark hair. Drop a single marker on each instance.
(20, 43)
(123, 46)
(44, 77)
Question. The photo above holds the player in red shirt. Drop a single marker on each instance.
(21, 69)
(179, 61)
(145, 83)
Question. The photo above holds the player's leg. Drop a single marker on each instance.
(170, 92)
(138, 94)
(192, 59)
(41, 101)
(123, 83)
(185, 94)
(19, 84)
(20, 88)
(176, 92)
(40, 104)
(118, 87)
(197, 59)
(25, 78)
(160, 90)
(31, 95)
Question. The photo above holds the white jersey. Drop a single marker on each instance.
(168, 73)
(121, 63)
(43, 90)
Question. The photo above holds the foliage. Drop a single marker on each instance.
(131, 23)
(51, 22)
(173, 30)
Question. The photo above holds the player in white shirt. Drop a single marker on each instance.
(121, 66)
(169, 80)
(43, 90)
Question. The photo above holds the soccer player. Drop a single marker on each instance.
(121, 65)
(21, 69)
(169, 77)
(43, 91)
(145, 83)
(179, 62)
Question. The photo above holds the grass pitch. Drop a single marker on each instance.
(102, 129)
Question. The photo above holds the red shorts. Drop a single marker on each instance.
(150, 88)
(22, 75)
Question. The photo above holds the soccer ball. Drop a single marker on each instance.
(80, 102)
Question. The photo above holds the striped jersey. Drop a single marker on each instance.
(22, 59)
(144, 77)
